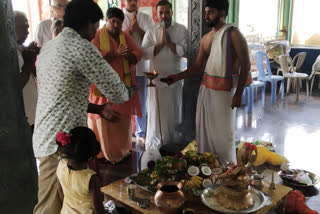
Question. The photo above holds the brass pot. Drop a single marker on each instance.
(169, 197)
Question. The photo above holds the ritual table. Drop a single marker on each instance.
(117, 191)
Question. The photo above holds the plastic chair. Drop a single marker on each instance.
(312, 77)
(273, 79)
(290, 72)
(251, 92)
(299, 59)
(285, 64)
(315, 72)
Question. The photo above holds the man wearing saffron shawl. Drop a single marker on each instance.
(122, 53)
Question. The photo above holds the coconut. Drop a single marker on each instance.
(207, 183)
(193, 171)
(216, 171)
(181, 165)
(205, 170)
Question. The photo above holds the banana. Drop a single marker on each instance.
(197, 181)
(193, 182)
(196, 178)
(189, 184)
(196, 184)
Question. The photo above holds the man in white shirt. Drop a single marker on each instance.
(26, 59)
(43, 32)
(165, 44)
(136, 23)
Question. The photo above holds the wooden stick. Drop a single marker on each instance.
(158, 107)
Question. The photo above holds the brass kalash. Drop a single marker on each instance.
(234, 188)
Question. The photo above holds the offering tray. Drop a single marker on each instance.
(208, 199)
(128, 180)
(287, 178)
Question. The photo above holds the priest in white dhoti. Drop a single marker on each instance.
(165, 44)
(224, 51)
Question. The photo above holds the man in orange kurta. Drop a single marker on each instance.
(122, 53)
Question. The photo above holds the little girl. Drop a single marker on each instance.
(78, 186)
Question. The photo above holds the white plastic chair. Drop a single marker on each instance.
(299, 59)
(315, 72)
(291, 72)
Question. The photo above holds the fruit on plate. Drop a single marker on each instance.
(181, 165)
(191, 153)
(193, 171)
(194, 182)
(207, 183)
(216, 171)
(209, 157)
(193, 158)
(205, 170)
(192, 146)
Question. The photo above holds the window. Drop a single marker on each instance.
(259, 17)
(181, 12)
(305, 25)
(181, 17)
(112, 3)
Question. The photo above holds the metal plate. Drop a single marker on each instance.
(209, 200)
(315, 179)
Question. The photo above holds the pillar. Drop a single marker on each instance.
(197, 28)
(18, 174)
(285, 18)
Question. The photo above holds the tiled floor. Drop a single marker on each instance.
(293, 127)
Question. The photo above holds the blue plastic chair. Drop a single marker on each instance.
(273, 79)
(251, 92)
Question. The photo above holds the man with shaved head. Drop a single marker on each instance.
(43, 31)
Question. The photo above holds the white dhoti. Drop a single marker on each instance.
(165, 63)
(215, 123)
(170, 101)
